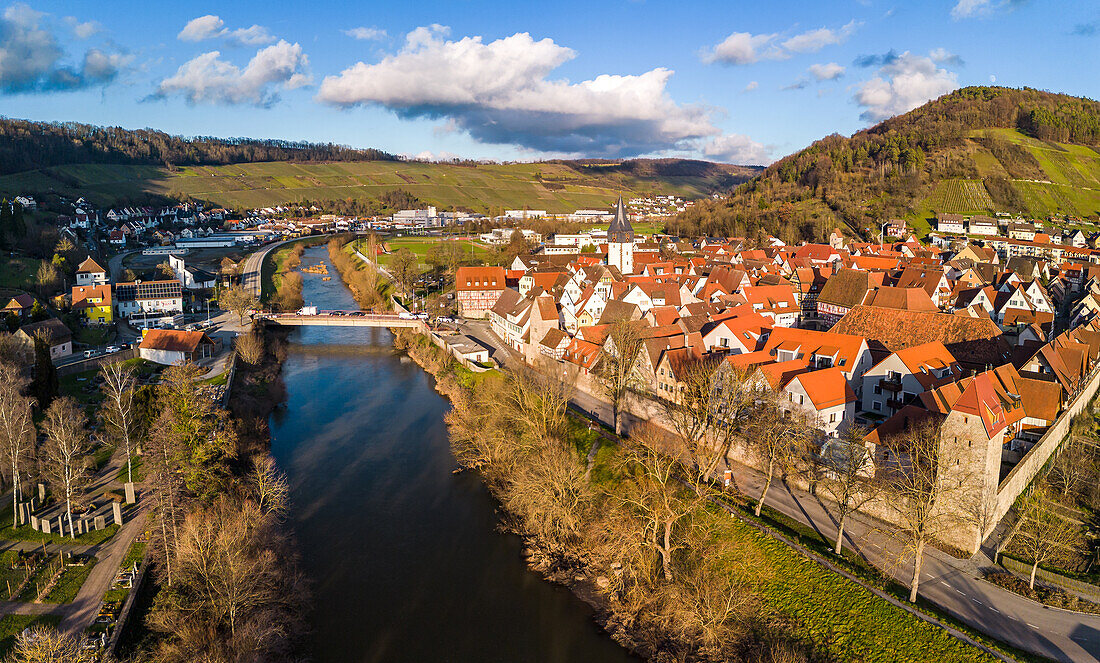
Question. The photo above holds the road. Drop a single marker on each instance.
(952, 584)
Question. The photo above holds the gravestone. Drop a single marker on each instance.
(41, 492)
(100, 522)
(117, 508)
(24, 511)
(34, 522)
(130, 497)
(44, 524)
(61, 526)
(80, 526)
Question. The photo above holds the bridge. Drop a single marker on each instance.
(341, 319)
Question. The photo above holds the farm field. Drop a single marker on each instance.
(556, 187)
(422, 246)
(1070, 185)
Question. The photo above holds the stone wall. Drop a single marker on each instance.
(1020, 477)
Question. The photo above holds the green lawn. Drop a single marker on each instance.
(72, 579)
(12, 625)
(17, 272)
(422, 246)
(25, 533)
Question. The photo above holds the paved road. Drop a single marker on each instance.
(950, 583)
(250, 273)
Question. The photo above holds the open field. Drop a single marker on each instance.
(556, 187)
(17, 272)
(422, 246)
(1066, 181)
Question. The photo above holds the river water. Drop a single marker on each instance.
(405, 557)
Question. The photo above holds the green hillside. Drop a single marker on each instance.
(554, 186)
(978, 150)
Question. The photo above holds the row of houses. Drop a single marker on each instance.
(851, 333)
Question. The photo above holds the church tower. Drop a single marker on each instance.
(620, 241)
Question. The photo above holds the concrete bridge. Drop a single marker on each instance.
(341, 319)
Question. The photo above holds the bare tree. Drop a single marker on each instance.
(250, 347)
(40, 644)
(715, 402)
(117, 412)
(538, 401)
(778, 438)
(66, 448)
(269, 485)
(652, 488)
(921, 491)
(16, 427)
(617, 368)
(237, 300)
(848, 474)
(47, 278)
(1044, 534)
(165, 269)
(404, 267)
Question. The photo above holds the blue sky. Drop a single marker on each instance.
(725, 80)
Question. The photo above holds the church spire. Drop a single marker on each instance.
(620, 231)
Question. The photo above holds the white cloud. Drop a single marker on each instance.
(904, 83)
(744, 48)
(31, 57)
(83, 29)
(209, 79)
(944, 56)
(747, 48)
(368, 34)
(500, 92)
(973, 8)
(738, 149)
(992, 78)
(203, 27)
(213, 27)
(826, 72)
(968, 8)
(815, 40)
(751, 86)
(428, 155)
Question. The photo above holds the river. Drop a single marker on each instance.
(405, 558)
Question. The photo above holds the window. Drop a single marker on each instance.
(878, 389)
(832, 418)
(801, 399)
(876, 405)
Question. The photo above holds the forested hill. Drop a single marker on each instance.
(27, 145)
(975, 150)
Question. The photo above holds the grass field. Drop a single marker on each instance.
(421, 247)
(17, 272)
(12, 625)
(1071, 185)
(555, 187)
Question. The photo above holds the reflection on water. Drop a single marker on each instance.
(405, 556)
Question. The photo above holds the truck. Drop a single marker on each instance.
(307, 310)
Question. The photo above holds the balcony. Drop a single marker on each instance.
(887, 384)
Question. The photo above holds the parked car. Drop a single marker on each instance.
(111, 349)
(88, 354)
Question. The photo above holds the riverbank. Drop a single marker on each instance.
(735, 594)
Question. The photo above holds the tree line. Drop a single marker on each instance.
(28, 145)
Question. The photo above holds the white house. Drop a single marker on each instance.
(902, 376)
(825, 396)
(172, 347)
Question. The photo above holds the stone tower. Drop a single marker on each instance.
(620, 241)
